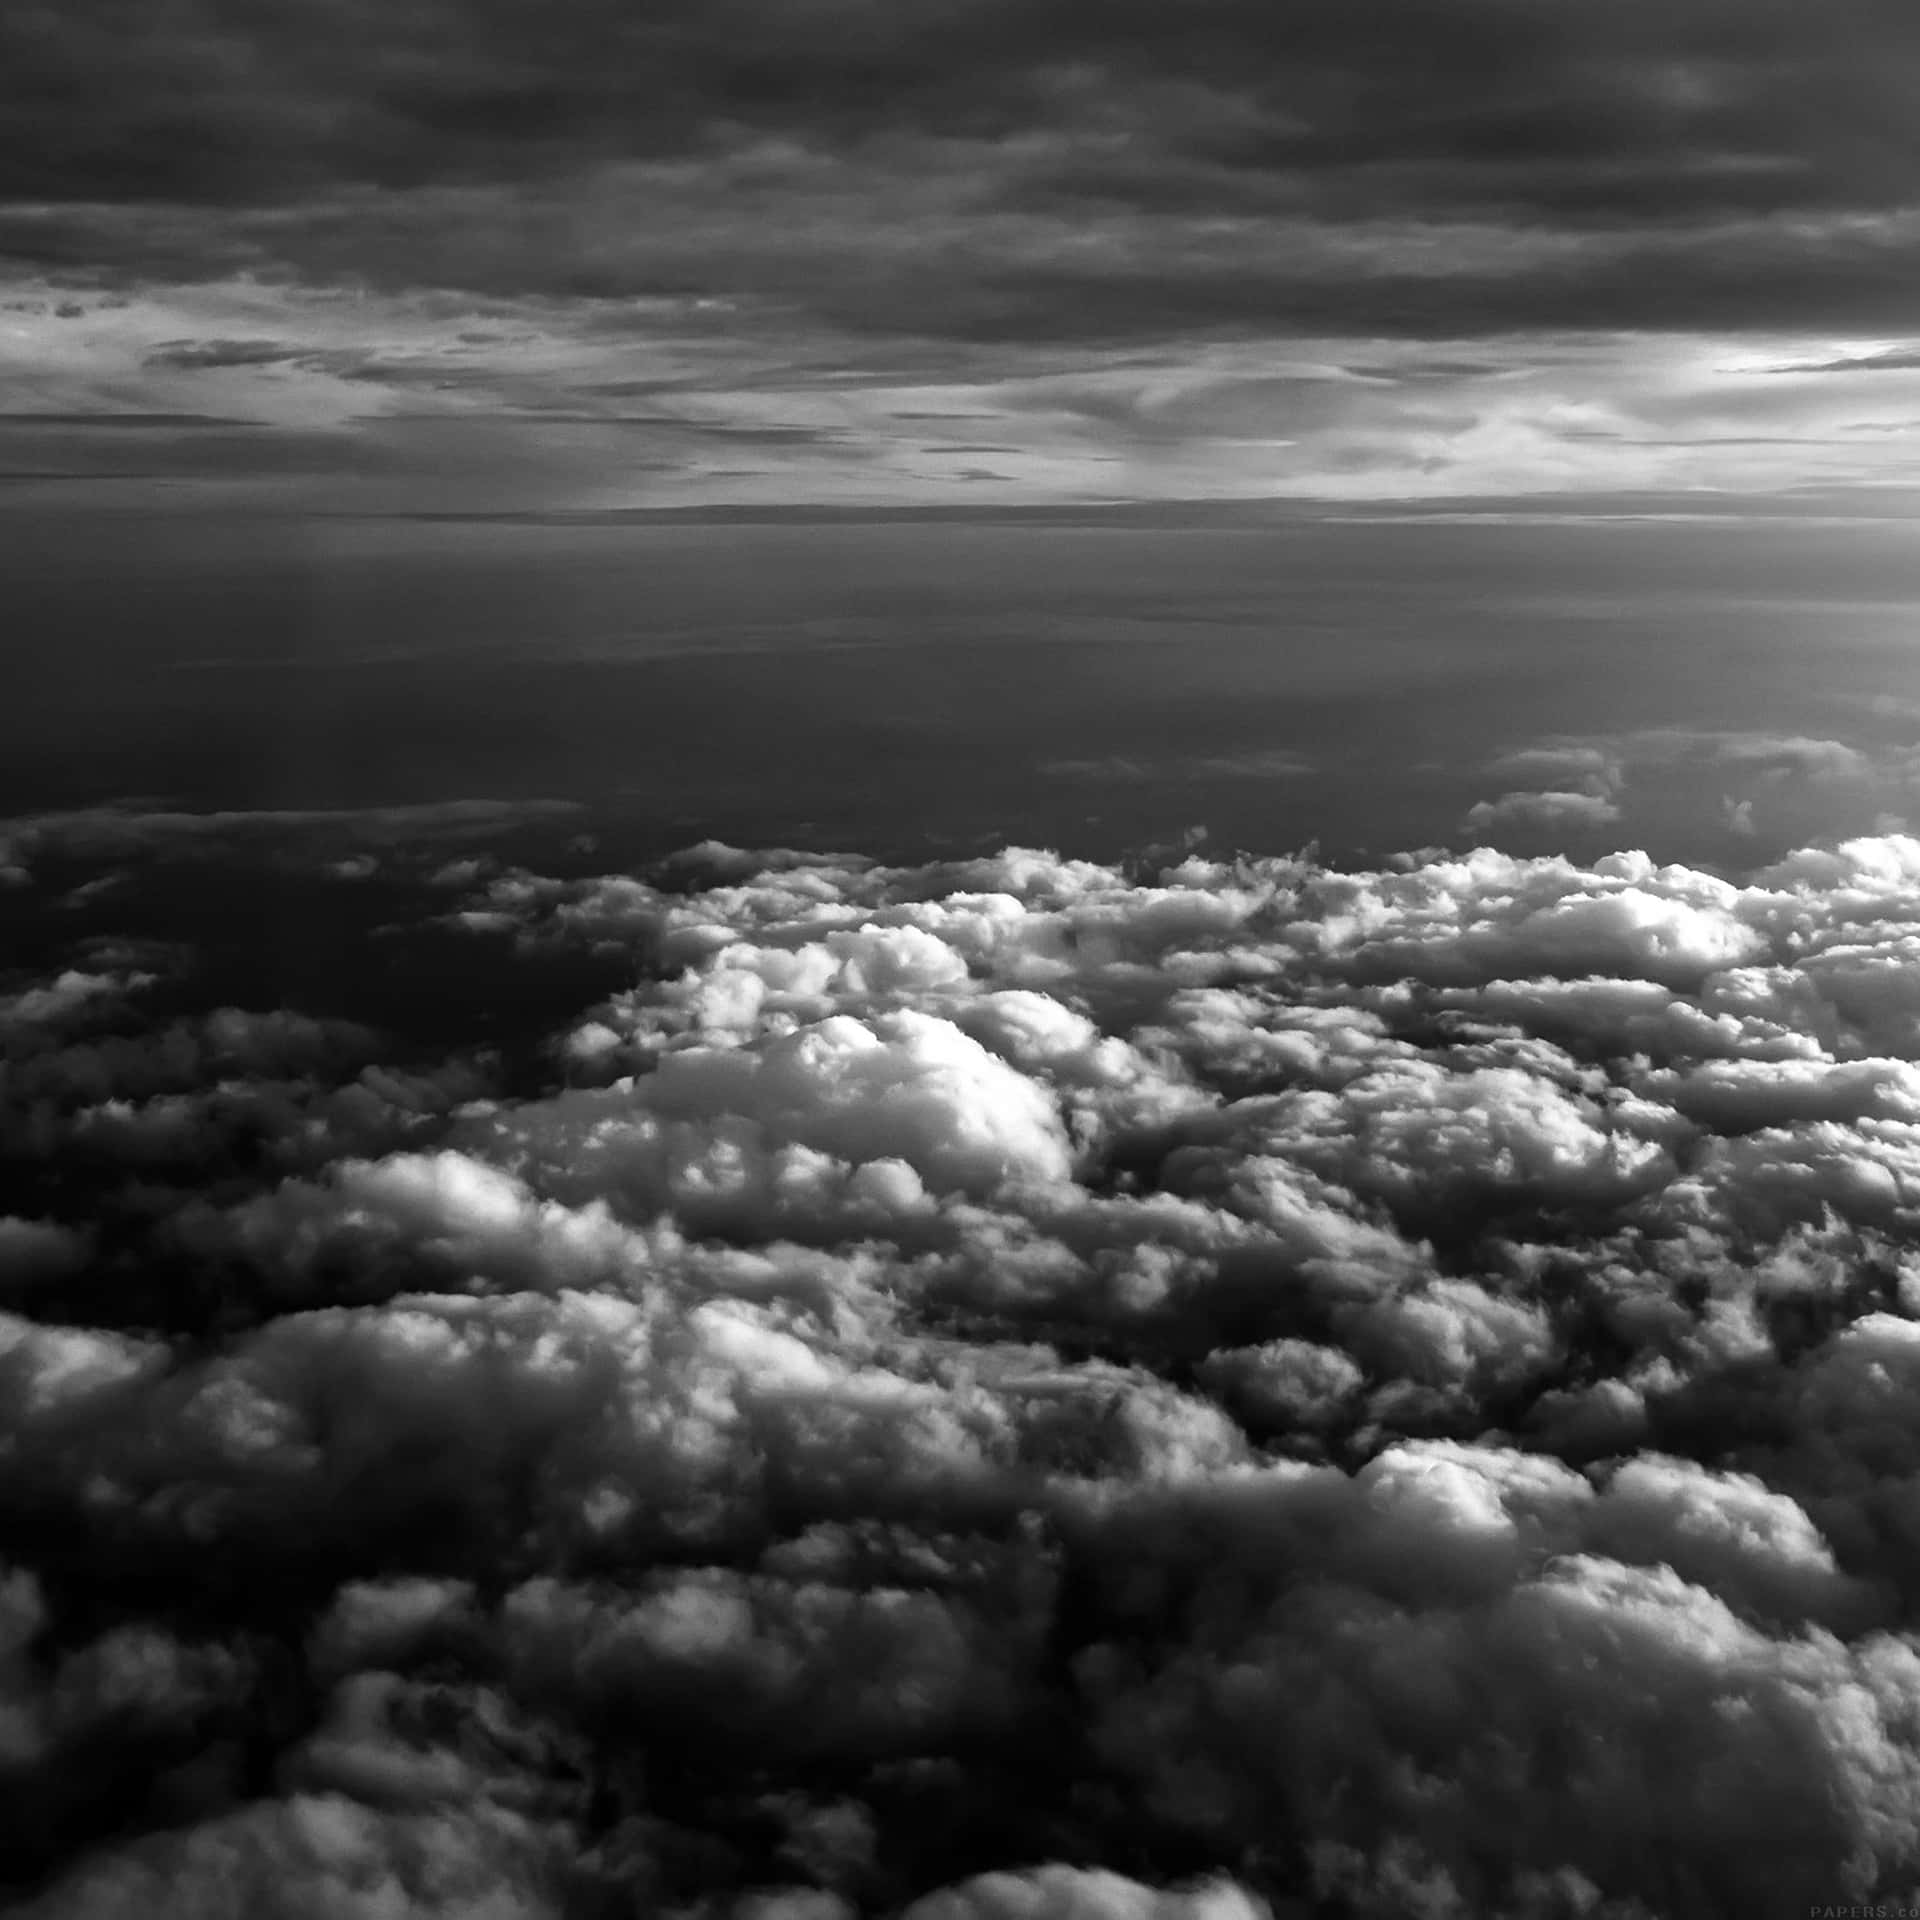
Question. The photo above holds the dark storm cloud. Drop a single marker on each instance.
(1644, 107)
(344, 139)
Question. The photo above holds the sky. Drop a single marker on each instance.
(457, 256)
(697, 1219)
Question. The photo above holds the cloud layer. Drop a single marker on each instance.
(996, 1388)
(469, 255)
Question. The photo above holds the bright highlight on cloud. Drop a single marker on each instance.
(987, 1390)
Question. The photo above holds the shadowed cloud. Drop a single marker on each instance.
(750, 196)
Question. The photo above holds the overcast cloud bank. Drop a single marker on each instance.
(485, 256)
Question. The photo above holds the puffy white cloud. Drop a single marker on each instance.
(900, 1086)
(1005, 1387)
(1550, 810)
(1572, 763)
(1074, 1893)
(1283, 1383)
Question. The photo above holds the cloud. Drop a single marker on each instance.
(1881, 360)
(196, 354)
(1596, 778)
(37, 1252)
(110, 420)
(1783, 753)
(1673, 119)
(1081, 1895)
(1267, 763)
(1596, 767)
(931, 1365)
(741, 207)
(1546, 812)
(1609, 759)
(122, 832)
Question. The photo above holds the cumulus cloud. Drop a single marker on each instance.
(1547, 811)
(1004, 1387)
(1067, 1893)
(1575, 765)
(1569, 782)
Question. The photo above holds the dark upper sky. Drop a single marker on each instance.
(568, 253)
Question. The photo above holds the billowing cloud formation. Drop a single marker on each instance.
(989, 1390)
